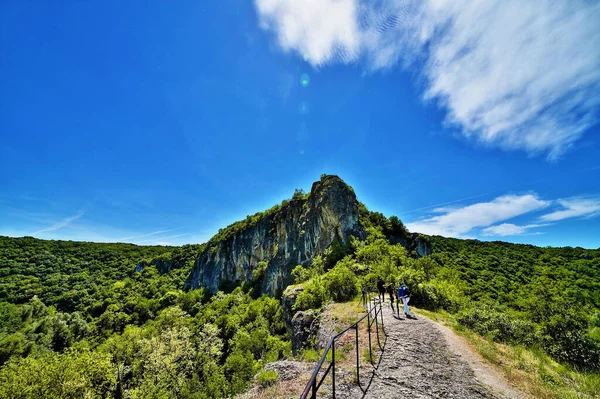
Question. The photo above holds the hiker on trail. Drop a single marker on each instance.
(404, 296)
(381, 289)
(390, 289)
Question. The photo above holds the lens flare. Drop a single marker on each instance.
(303, 108)
(304, 80)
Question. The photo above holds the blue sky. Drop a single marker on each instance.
(161, 123)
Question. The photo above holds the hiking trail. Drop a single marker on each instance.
(423, 359)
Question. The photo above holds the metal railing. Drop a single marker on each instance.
(374, 313)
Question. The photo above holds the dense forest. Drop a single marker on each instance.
(529, 295)
(112, 320)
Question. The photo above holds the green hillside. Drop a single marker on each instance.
(112, 320)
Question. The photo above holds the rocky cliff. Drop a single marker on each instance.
(283, 237)
(414, 243)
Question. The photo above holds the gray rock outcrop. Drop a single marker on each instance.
(284, 238)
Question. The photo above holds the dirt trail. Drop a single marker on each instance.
(423, 359)
(483, 372)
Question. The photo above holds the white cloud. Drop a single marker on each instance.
(457, 222)
(63, 223)
(509, 229)
(574, 207)
(514, 74)
(319, 30)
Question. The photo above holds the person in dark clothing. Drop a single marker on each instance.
(392, 292)
(381, 289)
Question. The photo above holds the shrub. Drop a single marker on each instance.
(313, 296)
(267, 377)
(438, 294)
(564, 337)
(334, 253)
(239, 369)
(340, 284)
(310, 355)
(259, 273)
(500, 326)
(368, 282)
(300, 274)
(299, 194)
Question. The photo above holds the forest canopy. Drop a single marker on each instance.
(114, 321)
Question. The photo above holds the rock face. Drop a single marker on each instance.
(285, 238)
(414, 243)
(287, 302)
(304, 326)
(162, 265)
(422, 246)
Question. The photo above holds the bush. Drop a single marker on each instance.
(500, 326)
(267, 377)
(564, 337)
(310, 355)
(313, 296)
(259, 273)
(239, 369)
(300, 274)
(437, 294)
(334, 253)
(340, 284)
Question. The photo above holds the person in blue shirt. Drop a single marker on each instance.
(404, 296)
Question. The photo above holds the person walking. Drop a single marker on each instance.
(404, 296)
(391, 291)
(381, 289)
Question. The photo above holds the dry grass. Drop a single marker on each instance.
(343, 315)
(282, 389)
(529, 369)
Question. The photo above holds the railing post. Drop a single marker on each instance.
(357, 359)
(382, 326)
(373, 306)
(369, 331)
(333, 368)
(377, 327)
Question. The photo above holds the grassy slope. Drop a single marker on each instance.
(530, 370)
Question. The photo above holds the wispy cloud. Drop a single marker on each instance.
(518, 75)
(59, 225)
(509, 229)
(459, 221)
(574, 207)
(143, 235)
(158, 240)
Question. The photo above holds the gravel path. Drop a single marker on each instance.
(420, 361)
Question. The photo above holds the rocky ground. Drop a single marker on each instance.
(420, 361)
